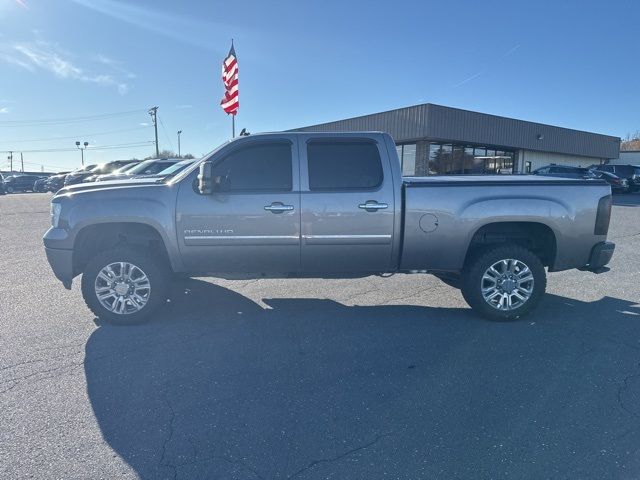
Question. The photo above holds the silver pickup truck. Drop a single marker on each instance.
(324, 205)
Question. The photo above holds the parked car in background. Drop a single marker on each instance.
(618, 185)
(120, 173)
(20, 183)
(563, 171)
(87, 174)
(148, 167)
(108, 168)
(2, 190)
(78, 175)
(55, 182)
(630, 172)
(39, 184)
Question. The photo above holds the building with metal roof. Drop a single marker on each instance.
(438, 140)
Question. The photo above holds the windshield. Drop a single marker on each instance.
(104, 168)
(126, 168)
(139, 167)
(176, 167)
(151, 167)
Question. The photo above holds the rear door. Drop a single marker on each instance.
(251, 222)
(347, 204)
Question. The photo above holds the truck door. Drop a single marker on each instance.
(347, 204)
(251, 221)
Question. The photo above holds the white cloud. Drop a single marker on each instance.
(4, 110)
(41, 55)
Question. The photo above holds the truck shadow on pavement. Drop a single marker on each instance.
(627, 200)
(219, 387)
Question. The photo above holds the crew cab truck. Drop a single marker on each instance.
(324, 205)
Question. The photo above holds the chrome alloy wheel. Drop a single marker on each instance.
(122, 288)
(507, 284)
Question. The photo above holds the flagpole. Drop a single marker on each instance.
(233, 125)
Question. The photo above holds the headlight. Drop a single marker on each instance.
(56, 208)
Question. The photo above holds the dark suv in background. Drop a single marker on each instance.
(20, 183)
(630, 172)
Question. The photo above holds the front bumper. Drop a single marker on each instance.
(600, 255)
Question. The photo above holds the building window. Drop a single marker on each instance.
(407, 157)
(409, 160)
(456, 159)
(527, 167)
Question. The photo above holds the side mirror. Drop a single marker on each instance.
(205, 180)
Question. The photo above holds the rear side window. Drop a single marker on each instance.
(263, 167)
(344, 165)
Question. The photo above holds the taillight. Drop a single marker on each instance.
(603, 216)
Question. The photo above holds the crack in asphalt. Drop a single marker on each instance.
(623, 387)
(168, 439)
(84, 362)
(339, 457)
(232, 461)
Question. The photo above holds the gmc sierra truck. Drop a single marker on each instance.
(324, 205)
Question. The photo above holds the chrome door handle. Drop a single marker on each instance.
(278, 208)
(370, 205)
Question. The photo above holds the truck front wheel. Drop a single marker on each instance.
(504, 282)
(125, 285)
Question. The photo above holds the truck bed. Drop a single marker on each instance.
(442, 214)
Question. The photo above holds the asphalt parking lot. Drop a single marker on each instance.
(335, 379)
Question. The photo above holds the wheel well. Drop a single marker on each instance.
(537, 237)
(97, 238)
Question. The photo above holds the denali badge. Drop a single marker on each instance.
(207, 231)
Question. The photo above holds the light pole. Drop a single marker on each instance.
(179, 132)
(86, 144)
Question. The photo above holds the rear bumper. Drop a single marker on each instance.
(61, 262)
(600, 255)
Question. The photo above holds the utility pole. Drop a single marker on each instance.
(153, 111)
(10, 158)
(179, 132)
(21, 163)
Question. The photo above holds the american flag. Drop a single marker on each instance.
(230, 102)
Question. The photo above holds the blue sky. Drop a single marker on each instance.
(572, 64)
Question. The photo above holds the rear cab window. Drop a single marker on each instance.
(344, 164)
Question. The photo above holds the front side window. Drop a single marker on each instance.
(344, 165)
(264, 167)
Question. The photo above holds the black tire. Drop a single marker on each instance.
(472, 281)
(154, 268)
(10, 190)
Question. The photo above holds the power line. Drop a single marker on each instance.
(79, 135)
(104, 147)
(165, 133)
(61, 121)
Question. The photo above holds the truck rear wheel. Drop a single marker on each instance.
(124, 286)
(504, 282)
